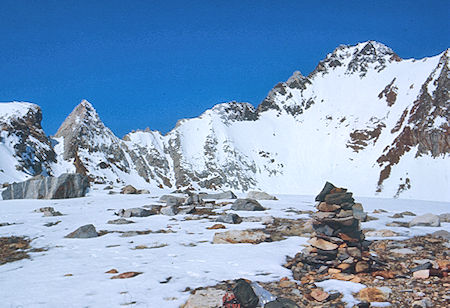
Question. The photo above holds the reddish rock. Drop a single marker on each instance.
(126, 275)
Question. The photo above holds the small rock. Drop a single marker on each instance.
(229, 218)
(216, 226)
(422, 274)
(240, 236)
(126, 275)
(86, 231)
(444, 217)
(120, 221)
(282, 302)
(408, 213)
(373, 295)
(172, 200)
(322, 244)
(247, 205)
(207, 298)
(403, 251)
(358, 212)
(324, 207)
(361, 267)
(129, 189)
(441, 234)
(423, 266)
(48, 211)
(224, 195)
(194, 199)
(135, 212)
(260, 195)
(428, 220)
(112, 271)
(319, 295)
(169, 210)
(381, 233)
(423, 303)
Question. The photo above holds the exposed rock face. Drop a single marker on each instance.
(87, 231)
(21, 132)
(247, 205)
(65, 186)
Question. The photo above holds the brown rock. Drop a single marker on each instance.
(287, 284)
(343, 277)
(384, 274)
(372, 295)
(333, 270)
(216, 226)
(348, 238)
(319, 295)
(322, 244)
(112, 271)
(344, 266)
(240, 236)
(324, 207)
(361, 267)
(422, 274)
(126, 275)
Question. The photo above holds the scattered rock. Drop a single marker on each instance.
(260, 195)
(282, 303)
(169, 210)
(51, 224)
(120, 221)
(441, 234)
(68, 185)
(229, 218)
(444, 217)
(429, 220)
(137, 212)
(126, 275)
(86, 231)
(48, 211)
(194, 199)
(422, 274)
(128, 190)
(172, 200)
(247, 205)
(206, 298)
(403, 251)
(408, 213)
(322, 244)
(381, 233)
(240, 236)
(319, 295)
(373, 295)
(224, 195)
(112, 271)
(423, 303)
(216, 226)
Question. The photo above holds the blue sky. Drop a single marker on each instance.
(150, 63)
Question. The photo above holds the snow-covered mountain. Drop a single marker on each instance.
(364, 118)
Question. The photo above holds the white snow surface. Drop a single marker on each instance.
(189, 256)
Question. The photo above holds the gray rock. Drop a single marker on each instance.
(428, 220)
(206, 298)
(169, 210)
(229, 219)
(172, 200)
(444, 217)
(260, 195)
(403, 251)
(423, 303)
(240, 236)
(68, 185)
(128, 190)
(86, 231)
(247, 205)
(48, 211)
(194, 199)
(135, 212)
(442, 234)
(358, 212)
(224, 195)
(120, 221)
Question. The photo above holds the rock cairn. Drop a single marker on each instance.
(337, 244)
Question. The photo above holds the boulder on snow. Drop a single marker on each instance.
(172, 200)
(207, 298)
(136, 212)
(247, 205)
(194, 199)
(427, 220)
(224, 195)
(260, 195)
(229, 218)
(240, 236)
(67, 185)
(86, 231)
(129, 190)
(169, 210)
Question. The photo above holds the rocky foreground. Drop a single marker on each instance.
(128, 246)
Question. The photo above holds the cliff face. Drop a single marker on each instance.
(364, 117)
(25, 150)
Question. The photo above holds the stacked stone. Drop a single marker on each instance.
(337, 241)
